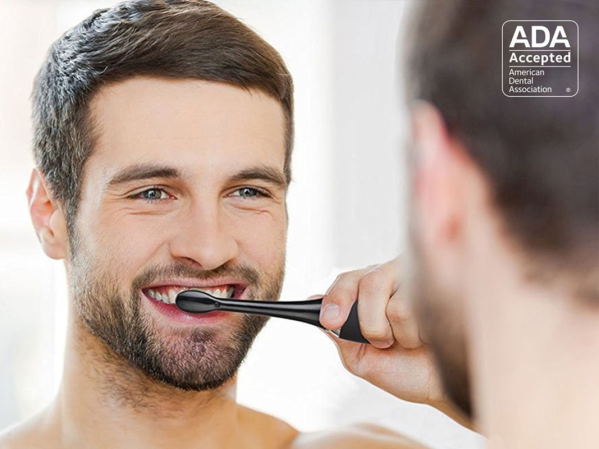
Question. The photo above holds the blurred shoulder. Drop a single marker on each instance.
(356, 436)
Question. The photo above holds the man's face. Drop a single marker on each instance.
(441, 322)
(438, 303)
(185, 189)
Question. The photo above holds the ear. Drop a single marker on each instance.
(47, 216)
(441, 172)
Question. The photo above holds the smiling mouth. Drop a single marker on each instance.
(167, 294)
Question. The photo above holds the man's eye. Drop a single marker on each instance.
(248, 192)
(153, 194)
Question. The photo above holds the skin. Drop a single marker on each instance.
(210, 132)
(470, 309)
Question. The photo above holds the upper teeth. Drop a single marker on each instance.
(169, 294)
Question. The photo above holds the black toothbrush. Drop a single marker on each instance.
(196, 301)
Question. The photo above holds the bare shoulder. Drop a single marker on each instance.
(263, 430)
(13, 437)
(26, 434)
(357, 436)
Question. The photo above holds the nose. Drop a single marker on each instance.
(203, 237)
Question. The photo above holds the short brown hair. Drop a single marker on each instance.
(539, 155)
(160, 38)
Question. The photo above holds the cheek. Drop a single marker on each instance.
(123, 244)
(262, 237)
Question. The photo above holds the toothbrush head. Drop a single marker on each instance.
(196, 301)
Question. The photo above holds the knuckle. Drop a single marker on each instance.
(372, 278)
(376, 332)
(338, 296)
(342, 292)
(398, 311)
(339, 277)
(347, 275)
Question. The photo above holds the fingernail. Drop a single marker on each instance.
(382, 344)
(330, 312)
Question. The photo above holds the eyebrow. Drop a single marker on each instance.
(143, 171)
(264, 173)
(139, 172)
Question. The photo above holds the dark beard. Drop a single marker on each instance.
(195, 360)
(442, 326)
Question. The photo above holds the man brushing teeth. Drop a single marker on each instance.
(163, 136)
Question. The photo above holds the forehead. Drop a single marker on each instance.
(194, 124)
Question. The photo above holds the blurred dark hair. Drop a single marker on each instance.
(539, 155)
(160, 38)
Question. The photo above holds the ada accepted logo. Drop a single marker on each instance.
(540, 58)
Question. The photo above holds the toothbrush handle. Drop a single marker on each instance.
(351, 329)
(304, 311)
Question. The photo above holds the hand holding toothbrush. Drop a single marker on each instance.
(397, 360)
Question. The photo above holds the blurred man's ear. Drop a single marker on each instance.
(442, 176)
(47, 217)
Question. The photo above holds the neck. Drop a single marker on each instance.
(105, 402)
(534, 357)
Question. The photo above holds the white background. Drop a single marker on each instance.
(345, 205)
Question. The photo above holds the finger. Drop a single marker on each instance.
(403, 322)
(393, 270)
(348, 352)
(374, 291)
(314, 297)
(339, 298)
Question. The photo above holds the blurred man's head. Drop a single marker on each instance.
(504, 187)
(163, 136)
